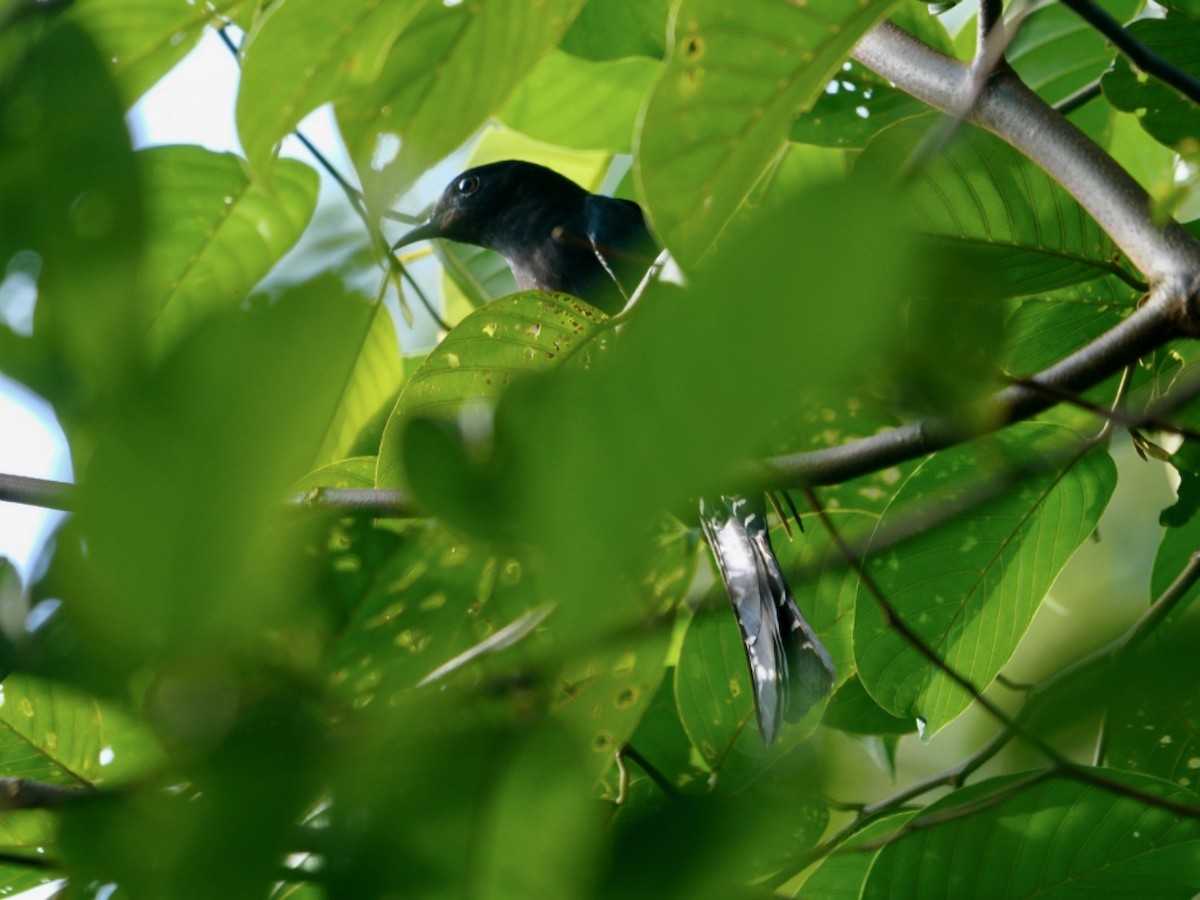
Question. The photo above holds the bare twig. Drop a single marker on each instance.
(37, 492)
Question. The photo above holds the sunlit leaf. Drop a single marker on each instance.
(214, 231)
(575, 103)
(514, 336)
(299, 56)
(968, 587)
(720, 114)
(146, 38)
(429, 96)
(605, 30)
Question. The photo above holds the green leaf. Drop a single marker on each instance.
(144, 39)
(214, 232)
(1045, 329)
(983, 198)
(430, 96)
(842, 874)
(969, 587)
(53, 734)
(853, 710)
(377, 376)
(1162, 111)
(721, 112)
(855, 106)
(605, 30)
(433, 598)
(576, 103)
(297, 57)
(1056, 52)
(1057, 838)
(485, 352)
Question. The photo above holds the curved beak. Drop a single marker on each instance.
(429, 230)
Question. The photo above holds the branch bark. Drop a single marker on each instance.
(1005, 106)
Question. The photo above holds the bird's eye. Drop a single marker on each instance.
(468, 184)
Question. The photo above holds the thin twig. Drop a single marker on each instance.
(1139, 54)
(1079, 99)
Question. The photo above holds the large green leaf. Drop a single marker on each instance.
(1163, 112)
(303, 53)
(735, 80)
(572, 102)
(215, 231)
(55, 735)
(1057, 838)
(146, 38)
(969, 587)
(454, 66)
(513, 336)
(983, 198)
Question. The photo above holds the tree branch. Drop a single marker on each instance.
(1146, 329)
(36, 492)
(1168, 256)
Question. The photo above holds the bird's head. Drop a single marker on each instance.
(493, 205)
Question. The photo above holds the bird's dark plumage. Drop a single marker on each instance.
(558, 237)
(555, 235)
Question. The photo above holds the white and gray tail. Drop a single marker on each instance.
(789, 666)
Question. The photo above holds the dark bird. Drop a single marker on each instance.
(557, 236)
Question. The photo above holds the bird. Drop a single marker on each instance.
(558, 236)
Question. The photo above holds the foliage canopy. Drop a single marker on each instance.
(243, 672)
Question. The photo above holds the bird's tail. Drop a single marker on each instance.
(789, 666)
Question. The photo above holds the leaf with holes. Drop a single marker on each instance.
(968, 587)
(735, 80)
(214, 232)
(1059, 837)
(527, 332)
(983, 198)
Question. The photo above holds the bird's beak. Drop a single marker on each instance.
(430, 229)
